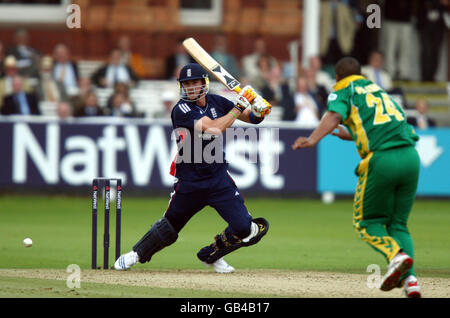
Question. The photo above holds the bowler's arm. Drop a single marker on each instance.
(327, 124)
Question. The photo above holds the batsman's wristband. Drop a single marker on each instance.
(234, 115)
(239, 107)
(254, 119)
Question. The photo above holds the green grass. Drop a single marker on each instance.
(303, 235)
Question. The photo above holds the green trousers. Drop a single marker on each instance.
(383, 200)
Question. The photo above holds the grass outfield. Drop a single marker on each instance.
(304, 235)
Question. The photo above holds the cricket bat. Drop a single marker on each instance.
(211, 65)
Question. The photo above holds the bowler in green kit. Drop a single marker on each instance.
(387, 174)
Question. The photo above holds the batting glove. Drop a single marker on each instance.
(261, 107)
(245, 98)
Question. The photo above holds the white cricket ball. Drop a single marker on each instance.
(328, 197)
(27, 242)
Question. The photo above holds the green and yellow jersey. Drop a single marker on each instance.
(372, 117)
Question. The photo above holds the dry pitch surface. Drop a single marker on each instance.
(266, 282)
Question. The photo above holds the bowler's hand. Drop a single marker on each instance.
(303, 142)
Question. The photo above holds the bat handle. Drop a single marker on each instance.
(237, 89)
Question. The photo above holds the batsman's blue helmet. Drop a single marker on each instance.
(193, 71)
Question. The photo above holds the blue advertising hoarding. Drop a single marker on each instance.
(337, 160)
(40, 153)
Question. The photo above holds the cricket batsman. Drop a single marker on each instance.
(198, 119)
(387, 174)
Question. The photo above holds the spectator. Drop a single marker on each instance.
(221, 55)
(134, 60)
(337, 30)
(114, 72)
(6, 82)
(26, 56)
(317, 92)
(65, 70)
(120, 104)
(366, 37)
(375, 73)
(177, 60)
(89, 107)
(169, 99)
(322, 78)
(305, 106)
(421, 120)
(264, 68)
(20, 102)
(64, 110)
(396, 35)
(431, 26)
(85, 86)
(277, 92)
(250, 63)
(48, 89)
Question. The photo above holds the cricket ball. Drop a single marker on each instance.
(27, 242)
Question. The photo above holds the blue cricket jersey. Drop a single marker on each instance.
(193, 167)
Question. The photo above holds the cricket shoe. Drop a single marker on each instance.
(125, 261)
(399, 265)
(411, 287)
(220, 266)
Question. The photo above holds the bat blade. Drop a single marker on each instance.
(210, 64)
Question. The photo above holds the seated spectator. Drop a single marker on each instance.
(421, 120)
(118, 88)
(322, 78)
(65, 70)
(264, 68)
(168, 99)
(20, 102)
(134, 60)
(26, 56)
(64, 110)
(250, 61)
(120, 103)
(89, 107)
(277, 92)
(85, 86)
(48, 89)
(10, 71)
(121, 106)
(177, 60)
(318, 92)
(374, 71)
(305, 106)
(114, 72)
(221, 55)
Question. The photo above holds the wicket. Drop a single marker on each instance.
(96, 183)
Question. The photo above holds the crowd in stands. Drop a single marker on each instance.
(28, 78)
